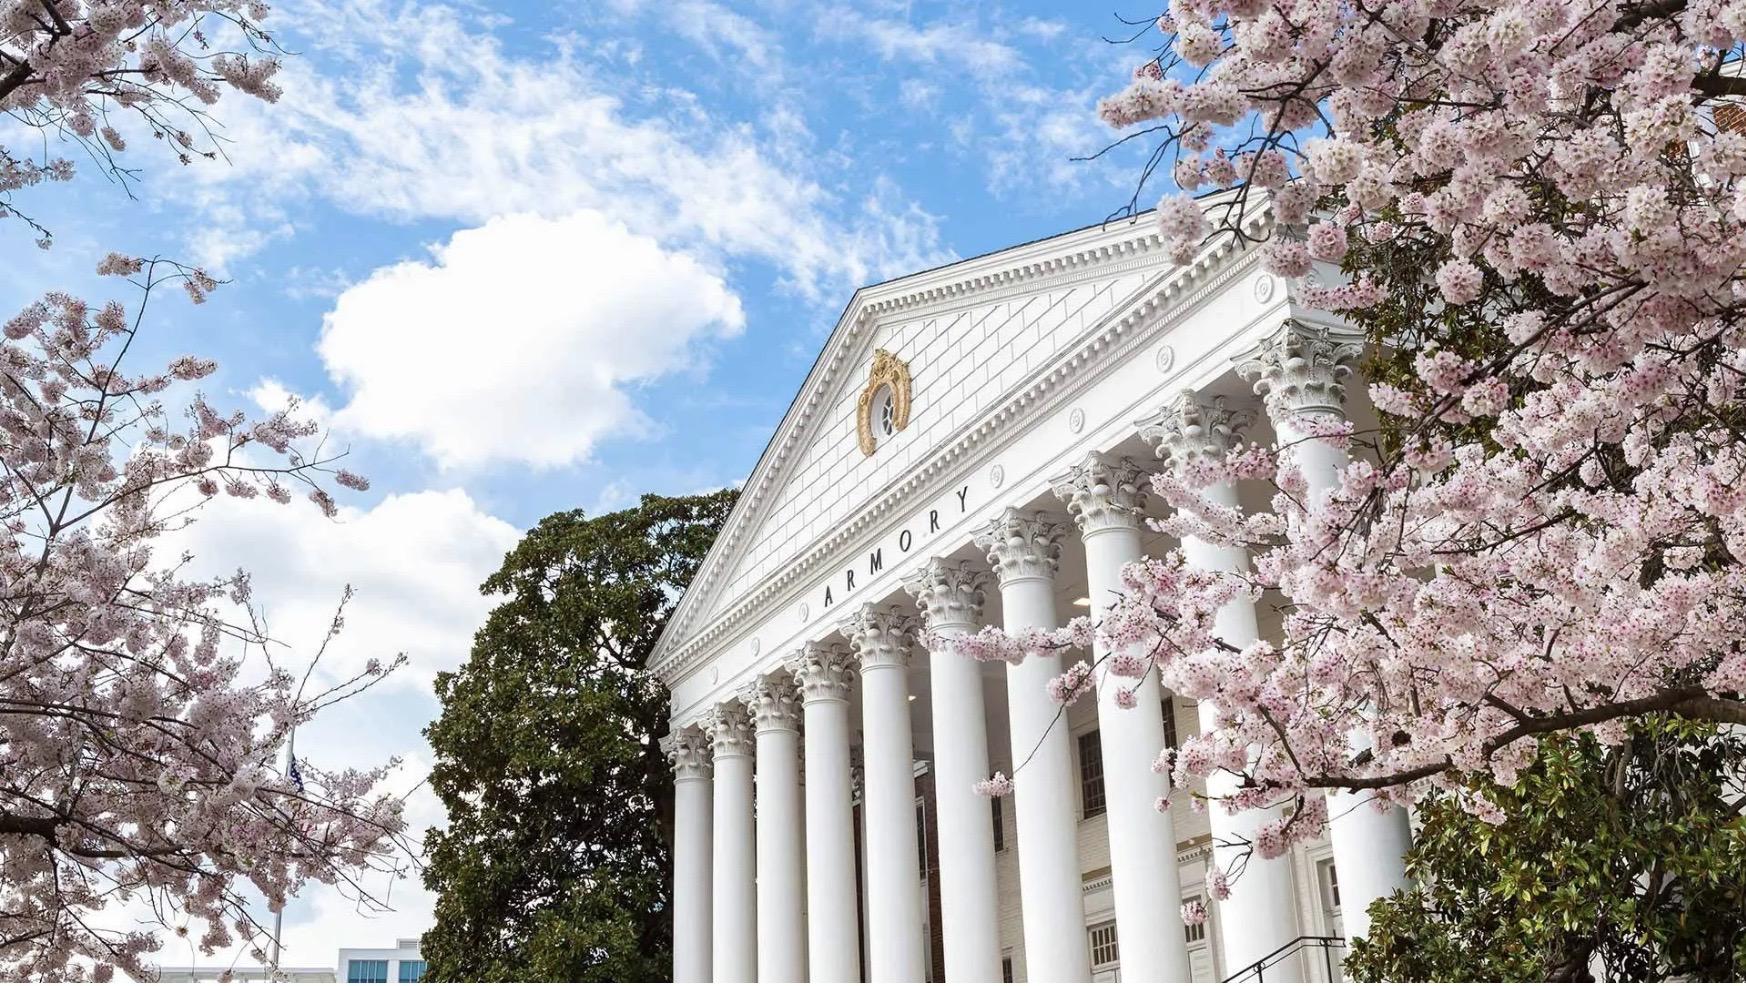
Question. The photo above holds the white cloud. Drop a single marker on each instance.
(519, 340)
(1028, 130)
(325, 919)
(272, 396)
(1037, 27)
(714, 28)
(956, 43)
(917, 94)
(386, 117)
(415, 560)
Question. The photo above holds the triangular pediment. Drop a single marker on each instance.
(961, 360)
(973, 335)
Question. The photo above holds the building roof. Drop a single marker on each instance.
(723, 598)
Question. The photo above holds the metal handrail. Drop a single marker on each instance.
(1258, 968)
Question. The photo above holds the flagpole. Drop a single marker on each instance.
(279, 911)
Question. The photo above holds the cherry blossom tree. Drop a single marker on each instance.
(1535, 210)
(144, 712)
(78, 70)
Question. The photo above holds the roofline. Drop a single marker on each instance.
(857, 301)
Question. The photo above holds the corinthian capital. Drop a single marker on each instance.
(880, 636)
(730, 728)
(774, 702)
(688, 750)
(1102, 492)
(950, 593)
(824, 672)
(1188, 429)
(1300, 370)
(1022, 545)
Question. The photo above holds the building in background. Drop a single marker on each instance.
(400, 964)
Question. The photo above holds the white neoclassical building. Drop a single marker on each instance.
(972, 449)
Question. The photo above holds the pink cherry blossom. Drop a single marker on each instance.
(148, 712)
(1565, 181)
(69, 65)
(997, 786)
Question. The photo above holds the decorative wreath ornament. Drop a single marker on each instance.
(888, 372)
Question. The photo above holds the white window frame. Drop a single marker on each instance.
(1091, 936)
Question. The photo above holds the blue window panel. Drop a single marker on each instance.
(367, 971)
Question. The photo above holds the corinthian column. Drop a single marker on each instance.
(825, 674)
(689, 751)
(736, 847)
(775, 708)
(1025, 548)
(1259, 916)
(1301, 373)
(1103, 492)
(950, 597)
(882, 637)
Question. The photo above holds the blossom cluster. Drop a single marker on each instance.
(75, 67)
(144, 723)
(1539, 208)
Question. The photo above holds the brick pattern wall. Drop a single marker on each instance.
(924, 789)
(961, 363)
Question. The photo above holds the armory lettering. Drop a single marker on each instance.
(904, 542)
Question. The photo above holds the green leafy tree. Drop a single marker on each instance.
(1635, 856)
(554, 865)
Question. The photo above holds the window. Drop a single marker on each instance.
(886, 403)
(411, 971)
(1006, 969)
(1195, 933)
(921, 835)
(999, 825)
(1328, 883)
(1091, 775)
(1104, 949)
(1170, 722)
(367, 971)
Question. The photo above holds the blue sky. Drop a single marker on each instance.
(528, 257)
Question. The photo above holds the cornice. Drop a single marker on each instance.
(1102, 259)
(1174, 294)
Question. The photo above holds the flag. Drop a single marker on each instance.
(296, 777)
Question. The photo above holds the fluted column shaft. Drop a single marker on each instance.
(1024, 548)
(692, 818)
(950, 595)
(1301, 372)
(1370, 847)
(825, 676)
(882, 638)
(775, 708)
(736, 848)
(1104, 495)
(1259, 916)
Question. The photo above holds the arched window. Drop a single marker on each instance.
(883, 409)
